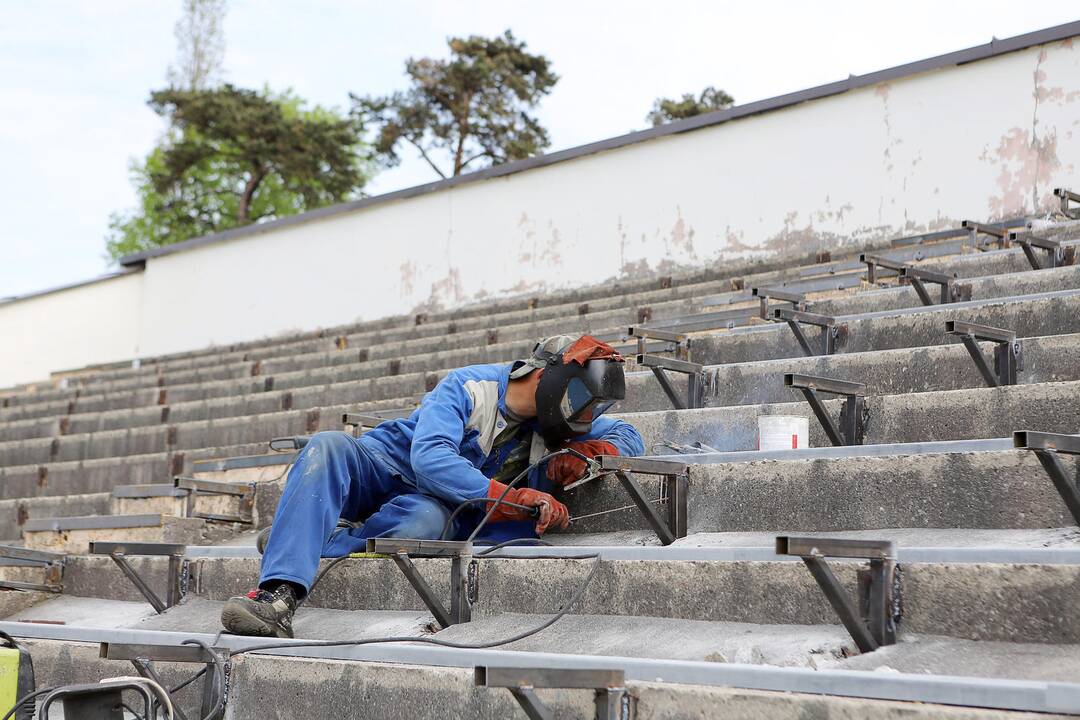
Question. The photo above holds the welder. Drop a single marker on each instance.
(479, 429)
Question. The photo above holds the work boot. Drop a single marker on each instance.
(261, 613)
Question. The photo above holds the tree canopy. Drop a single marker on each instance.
(466, 112)
(232, 157)
(666, 109)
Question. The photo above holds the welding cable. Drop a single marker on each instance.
(430, 640)
(527, 542)
(477, 501)
(219, 676)
(25, 699)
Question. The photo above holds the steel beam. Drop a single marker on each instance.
(850, 429)
(1066, 196)
(118, 552)
(419, 548)
(693, 371)
(1053, 250)
(836, 547)
(609, 687)
(918, 278)
(798, 300)
(648, 509)
(1046, 447)
(643, 465)
(795, 319)
(1034, 440)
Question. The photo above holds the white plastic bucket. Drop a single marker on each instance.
(783, 432)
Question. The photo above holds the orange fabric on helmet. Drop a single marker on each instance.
(588, 348)
(565, 469)
(552, 512)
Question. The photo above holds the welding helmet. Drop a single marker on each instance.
(581, 379)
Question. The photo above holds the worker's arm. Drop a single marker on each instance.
(607, 437)
(440, 469)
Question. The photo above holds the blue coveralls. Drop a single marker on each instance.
(405, 477)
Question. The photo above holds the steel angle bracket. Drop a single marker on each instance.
(1001, 237)
(612, 701)
(119, 551)
(1047, 447)
(1067, 196)
(797, 300)
(873, 262)
(674, 486)
(1008, 351)
(1055, 253)
(52, 563)
(851, 429)
(245, 492)
(919, 279)
(677, 343)
(143, 657)
(695, 373)
(873, 623)
(463, 579)
(796, 319)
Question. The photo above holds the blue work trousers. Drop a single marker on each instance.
(334, 477)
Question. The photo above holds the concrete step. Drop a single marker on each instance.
(14, 513)
(1055, 313)
(73, 534)
(954, 595)
(848, 302)
(831, 489)
(1052, 358)
(970, 413)
(103, 474)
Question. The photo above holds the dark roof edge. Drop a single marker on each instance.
(960, 57)
(123, 272)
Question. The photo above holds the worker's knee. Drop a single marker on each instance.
(417, 516)
(330, 440)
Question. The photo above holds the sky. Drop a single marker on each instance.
(75, 76)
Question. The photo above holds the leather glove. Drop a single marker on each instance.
(565, 469)
(552, 512)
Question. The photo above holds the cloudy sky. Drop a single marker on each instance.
(75, 76)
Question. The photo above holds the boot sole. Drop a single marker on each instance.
(240, 621)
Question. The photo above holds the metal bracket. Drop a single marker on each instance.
(873, 624)
(119, 551)
(52, 563)
(1054, 251)
(675, 484)
(695, 379)
(613, 702)
(1066, 196)
(1046, 447)
(196, 487)
(678, 343)
(1008, 352)
(851, 429)
(796, 319)
(977, 229)
(918, 277)
(462, 591)
(144, 656)
(873, 262)
(797, 300)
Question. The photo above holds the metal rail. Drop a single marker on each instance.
(1005, 694)
(873, 623)
(1008, 351)
(918, 279)
(609, 687)
(244, 492)
(1046, 447)
(999, 232)
(851, 430)
(797, 300)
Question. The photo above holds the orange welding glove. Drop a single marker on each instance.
(565, 469)
(552, 512)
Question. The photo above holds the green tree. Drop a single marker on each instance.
(470, 111)
(665, 109)
(233, 157)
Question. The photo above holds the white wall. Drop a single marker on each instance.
(985, 140)
(94, 323)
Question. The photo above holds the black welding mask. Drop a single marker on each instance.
(569, 395)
